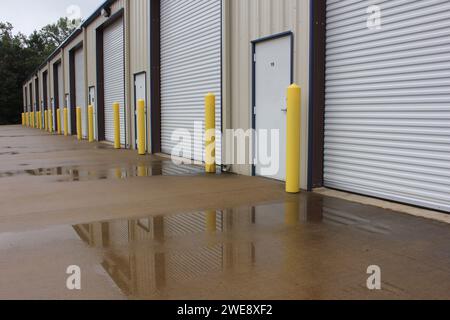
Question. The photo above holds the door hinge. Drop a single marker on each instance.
(254, 110)
(254, 57)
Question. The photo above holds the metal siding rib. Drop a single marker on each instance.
(114, 76)
(387, 127)
(190, 68)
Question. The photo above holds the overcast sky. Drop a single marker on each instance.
(29, 15)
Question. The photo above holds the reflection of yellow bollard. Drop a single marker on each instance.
(58, 120)
(211, 221)
(210, 133)
(292, 211)
(46, 120)
(32, 119)
(79, 125)
(26, 119)
(142, 170)
(293, 139)
(40, 120)
(23, 119)
(116, 108)
(91, 123)
(141, 126)
(66, 122)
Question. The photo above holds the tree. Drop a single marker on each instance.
(56, 33)
(20, 56)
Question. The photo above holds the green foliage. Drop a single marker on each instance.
(20, 56)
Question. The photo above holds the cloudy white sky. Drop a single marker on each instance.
(29, 15)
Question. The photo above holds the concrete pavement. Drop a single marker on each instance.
(140, 227)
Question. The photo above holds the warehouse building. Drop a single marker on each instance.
(375, 106)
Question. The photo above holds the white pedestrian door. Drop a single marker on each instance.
(387, 125)
(80, 96)
(191, 67)
(272, 78)
(140, 93)
(61, 97)
(94, 105)
(114, 76)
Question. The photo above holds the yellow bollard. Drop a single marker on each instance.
(210, 133)
(50, 121)
(79, 125)
(58, 120)
(91, 123)
(40, 120)
(66, 122)
(23, 119)
(32, 119)
(293, 139)
(26, 119)
(141, 127)
(46, 120)
(116, 108)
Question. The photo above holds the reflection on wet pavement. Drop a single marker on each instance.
(306, 246)
(309, 249)
(76, 173)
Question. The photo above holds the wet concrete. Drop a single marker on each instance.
(146, 234)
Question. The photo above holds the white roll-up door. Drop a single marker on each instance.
(80, 95)
(190, 68)
(114, 75)
(61, 96)
(387, 130)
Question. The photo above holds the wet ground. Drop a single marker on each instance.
(143, 228)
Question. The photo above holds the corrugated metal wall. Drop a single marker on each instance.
(250, 20)
(190, 68)
(114, 78)
(387, 122)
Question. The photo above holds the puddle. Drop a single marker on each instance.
(75, 173)
(306, 248)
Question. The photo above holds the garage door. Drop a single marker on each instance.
(388, 100)
(114, 69)
(190, 68)
(80, 97)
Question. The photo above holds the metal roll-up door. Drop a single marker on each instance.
(190, 68)
(80, 95)
(114, 76)
(61, 96)
(387, 127)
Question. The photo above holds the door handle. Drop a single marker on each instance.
(284, 110)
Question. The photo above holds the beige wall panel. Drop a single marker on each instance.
(139, 52)
(253, 19)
